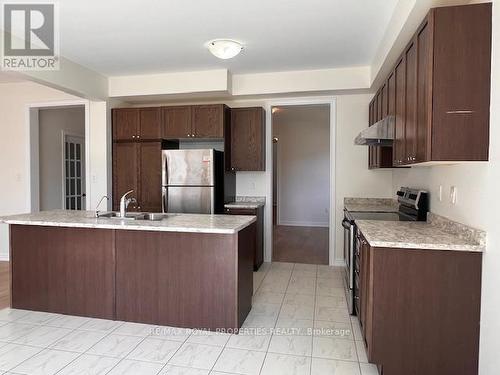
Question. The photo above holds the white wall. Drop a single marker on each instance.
(353, 178)
(303, 164)
(52, 123)
(470, 180)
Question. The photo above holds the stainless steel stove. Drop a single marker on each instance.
(413, 206)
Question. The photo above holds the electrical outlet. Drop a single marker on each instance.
(453, 195)
(440, 193)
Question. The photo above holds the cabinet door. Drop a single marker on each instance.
(391, 95)
(259, 244)
(411, 104)
(247, 139)
(370, 122)
(399, 110)
(125, 124)
(176, 122)
(125, 171)
(208, 121)
(461, 82)
(150, 177)
(150, 123)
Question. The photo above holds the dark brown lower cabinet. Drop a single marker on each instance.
(420, 310)
(195, 280)
(63, 270)
(258, 258)
(184, 279)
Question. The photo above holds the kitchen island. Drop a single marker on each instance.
(185, 270)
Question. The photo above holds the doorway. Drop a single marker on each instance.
(61, 157)
(301, 183)
(74, 172)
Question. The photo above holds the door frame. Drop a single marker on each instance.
(32, 124)
(332, 101)
(64, 135)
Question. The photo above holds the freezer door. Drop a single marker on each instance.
(188, 167)
(189, 199)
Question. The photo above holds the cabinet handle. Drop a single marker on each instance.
(189, 135)
(133, 136)
(192, 135)
(460, 112)
(138, 136)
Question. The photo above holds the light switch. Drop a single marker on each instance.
(453, 195)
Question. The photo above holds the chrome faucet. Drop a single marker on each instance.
(124, 202)
(97, 212)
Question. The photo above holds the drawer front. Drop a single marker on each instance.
(240, 211)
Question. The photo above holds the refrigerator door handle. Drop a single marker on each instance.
(164, 200)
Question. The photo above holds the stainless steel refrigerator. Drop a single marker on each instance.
(193, 181)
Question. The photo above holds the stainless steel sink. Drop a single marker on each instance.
(146, 216)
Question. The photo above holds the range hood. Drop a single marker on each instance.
(379, 134)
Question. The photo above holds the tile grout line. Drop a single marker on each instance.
(173, 355)
(43, 348)
(277, 318)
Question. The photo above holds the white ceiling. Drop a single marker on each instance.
(120, 37)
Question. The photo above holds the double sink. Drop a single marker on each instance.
(144, 216)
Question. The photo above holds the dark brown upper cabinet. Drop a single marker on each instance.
(248, 149)
(125, 124)
(208, 121)
(195, 121)
(131, 124)
(150, 123)
(442, 88)
(176, 122)
(379, 157)
(398, 146)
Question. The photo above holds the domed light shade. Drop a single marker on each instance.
(224, 48)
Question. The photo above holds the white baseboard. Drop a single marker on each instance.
(338, 263)
(303, 224)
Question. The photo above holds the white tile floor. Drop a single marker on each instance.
(298, 325)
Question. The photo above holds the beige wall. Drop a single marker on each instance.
(303, 165)
(15, 147)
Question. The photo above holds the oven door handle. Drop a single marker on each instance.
(346, 224)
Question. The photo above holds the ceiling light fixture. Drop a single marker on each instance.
(224, 48)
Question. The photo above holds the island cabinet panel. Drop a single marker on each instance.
(190, 280)
(420, 309)
(63, 270)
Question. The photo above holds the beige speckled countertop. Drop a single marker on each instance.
(223, 224)
(417, 235)
(249, 205)
(370, 205)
